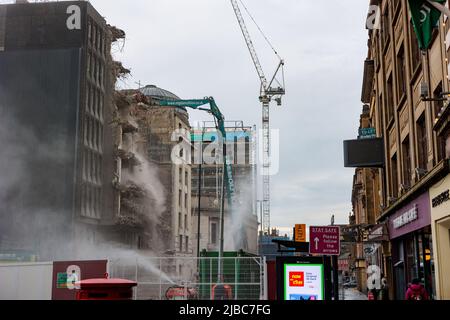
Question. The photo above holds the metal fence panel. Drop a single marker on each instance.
(187, 278)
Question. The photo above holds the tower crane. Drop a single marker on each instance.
(268, 93)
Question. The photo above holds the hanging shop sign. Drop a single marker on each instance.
(378, 233)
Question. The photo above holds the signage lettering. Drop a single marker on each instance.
(376, 234)
(300, 233)
(406, 218)
(440, 199)
(296, 279)
(325, 240)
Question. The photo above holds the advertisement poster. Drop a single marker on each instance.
(304, 282)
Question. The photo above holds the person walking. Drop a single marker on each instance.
(384, 292)
(416, 291)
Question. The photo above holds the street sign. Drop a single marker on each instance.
(61, 280)
(300, 233)
(325, 241)
(367, 133)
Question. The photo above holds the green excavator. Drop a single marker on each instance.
(196, 104)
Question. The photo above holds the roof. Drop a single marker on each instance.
(103, 283)
(158, 93)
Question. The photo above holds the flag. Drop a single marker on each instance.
(425, 17)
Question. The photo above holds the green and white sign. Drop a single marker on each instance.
(367, 133)
(61, 280)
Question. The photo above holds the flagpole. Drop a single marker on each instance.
(440, 7)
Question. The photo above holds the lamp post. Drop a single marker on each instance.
(335, 270)
(220, 278)
(200, 172)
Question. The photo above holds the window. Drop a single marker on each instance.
(93, 66)
(381, 110)
(390, 99)
(88, 62)
(406, 154)
(97, 72)
(180, 175)
(186, 226)
(247, 150)
(385, 23)
(394, 177)
(99, 136)
(213, 233)
(416, 57)
(186, 179)
(100, 76)
(437, 105)
(181, 244)
(92, 98)
(397, 6)
(411, 259)
(180, 141)
(401, 73)
(180, 199)
(422, 142)
(187, 243)
(180, 221)
(185, 200)
(90, 31)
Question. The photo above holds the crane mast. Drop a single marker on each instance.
(267, 93)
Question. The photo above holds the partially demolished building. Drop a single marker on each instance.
(83, 164)
(56, 85)
(154, 191)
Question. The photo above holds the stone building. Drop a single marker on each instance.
(365, 203)
(406, 90)
(153, 175)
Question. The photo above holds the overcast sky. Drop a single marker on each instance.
(195, 48)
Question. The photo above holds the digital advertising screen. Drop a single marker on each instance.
(304, 282)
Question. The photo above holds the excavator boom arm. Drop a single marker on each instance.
(215, 111)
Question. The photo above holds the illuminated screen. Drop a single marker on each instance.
(304, 282)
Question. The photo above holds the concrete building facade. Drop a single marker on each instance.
(241, 222)
(56, 84)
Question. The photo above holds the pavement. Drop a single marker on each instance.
(353, 294)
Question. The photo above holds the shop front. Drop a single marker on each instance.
(378, 255)
(411, 242)
(440, 223)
